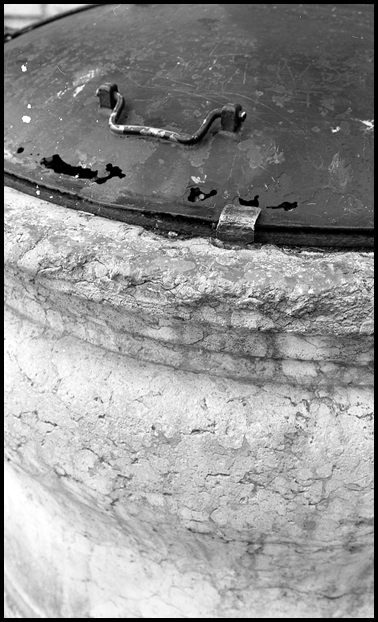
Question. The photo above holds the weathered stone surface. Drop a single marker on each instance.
(265, 289)
(188, 426)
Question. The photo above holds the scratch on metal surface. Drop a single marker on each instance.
(83, 78)
(369, 125)
(339, 172)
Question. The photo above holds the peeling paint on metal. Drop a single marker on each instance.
(198, 180)
(369, 124)
(78, 90)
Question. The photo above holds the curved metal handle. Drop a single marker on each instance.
(231, 117)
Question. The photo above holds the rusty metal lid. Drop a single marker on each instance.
(289, 149)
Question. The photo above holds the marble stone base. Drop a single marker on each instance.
(188, 425)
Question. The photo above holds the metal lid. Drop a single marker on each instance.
(297, 168)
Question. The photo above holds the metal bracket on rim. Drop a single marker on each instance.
(237, 223)
(231, 116)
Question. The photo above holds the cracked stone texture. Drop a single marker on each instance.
(188, 427)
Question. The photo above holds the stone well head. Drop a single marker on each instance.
(188, 278)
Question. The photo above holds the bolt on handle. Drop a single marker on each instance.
(231, 116)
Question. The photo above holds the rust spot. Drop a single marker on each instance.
(196, 194)
(61, 167)
(114, 171)
(251, 202)
(285, 206)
